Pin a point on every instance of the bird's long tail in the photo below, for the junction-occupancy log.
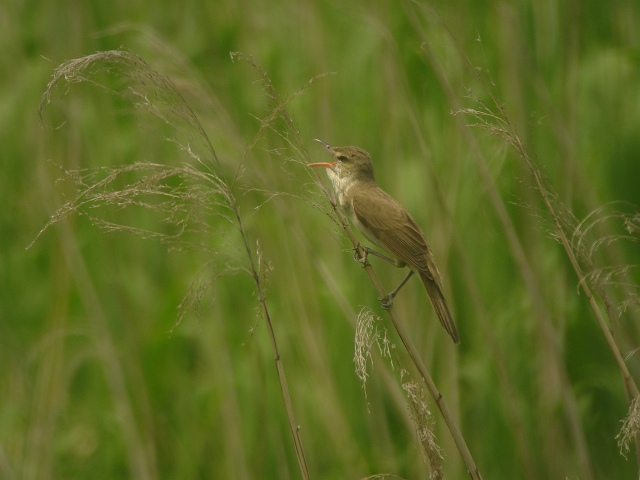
(440, 306)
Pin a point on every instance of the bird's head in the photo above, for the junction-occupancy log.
(349, 163)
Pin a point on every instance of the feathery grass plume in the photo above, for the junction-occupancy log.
(632, 224)
(142, 86)
(494, 118)
(566, 230)
(564, 224)
(424, 424)
(612, 282)
(630, 428)
(370, 333)
(189, 197)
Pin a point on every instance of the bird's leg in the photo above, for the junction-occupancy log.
(368, 251)
(388, 300)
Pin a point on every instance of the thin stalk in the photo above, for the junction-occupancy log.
(282, 378)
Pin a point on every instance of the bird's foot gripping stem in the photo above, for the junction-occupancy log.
(387, 301)
(363, 259)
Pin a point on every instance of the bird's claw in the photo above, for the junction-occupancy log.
(387, 301)
(360, 258)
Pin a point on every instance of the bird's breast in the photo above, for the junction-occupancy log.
(342, 186)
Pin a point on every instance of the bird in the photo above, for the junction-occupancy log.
(387, 224)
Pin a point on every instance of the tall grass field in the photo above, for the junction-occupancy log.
(181, 298)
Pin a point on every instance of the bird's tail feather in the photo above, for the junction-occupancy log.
(440, 306)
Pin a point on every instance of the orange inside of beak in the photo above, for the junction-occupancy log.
(322, 164)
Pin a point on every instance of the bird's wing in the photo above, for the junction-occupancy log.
(395, 230)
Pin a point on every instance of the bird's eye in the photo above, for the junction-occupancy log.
(342, 158)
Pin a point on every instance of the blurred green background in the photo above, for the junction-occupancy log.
(98, 382)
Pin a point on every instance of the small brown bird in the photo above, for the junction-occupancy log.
(385, 223)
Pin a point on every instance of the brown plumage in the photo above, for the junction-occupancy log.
(386, 223)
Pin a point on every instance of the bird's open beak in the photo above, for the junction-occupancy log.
(323, 164)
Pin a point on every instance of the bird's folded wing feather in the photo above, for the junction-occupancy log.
(395, 229)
